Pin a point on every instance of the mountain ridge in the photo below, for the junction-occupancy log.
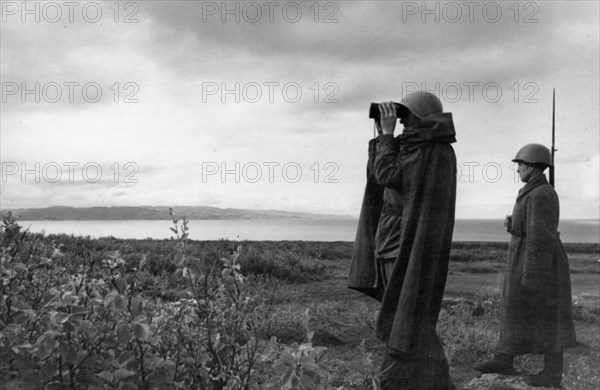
(125, 213)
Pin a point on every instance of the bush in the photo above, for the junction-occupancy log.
(284, 266)
(74, 317)
(469, 329)
(586, 314)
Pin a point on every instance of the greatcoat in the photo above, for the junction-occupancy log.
(536, 314)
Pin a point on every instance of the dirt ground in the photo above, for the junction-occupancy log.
(343, 353)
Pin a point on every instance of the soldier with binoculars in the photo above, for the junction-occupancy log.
(402, 247)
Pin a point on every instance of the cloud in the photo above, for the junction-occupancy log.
(374, 51)
(589, 176)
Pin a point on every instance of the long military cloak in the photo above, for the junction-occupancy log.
(412, 299)
(536, 314)
(363, 274)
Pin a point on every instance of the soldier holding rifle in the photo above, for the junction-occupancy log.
(536, 315)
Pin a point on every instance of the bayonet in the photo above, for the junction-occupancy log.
(553, 136)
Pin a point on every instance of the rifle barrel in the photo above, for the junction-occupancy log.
(553, 135)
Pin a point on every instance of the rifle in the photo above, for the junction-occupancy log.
(553, 133)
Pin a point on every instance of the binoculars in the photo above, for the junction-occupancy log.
(374, 110)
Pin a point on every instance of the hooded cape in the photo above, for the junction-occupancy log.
(412, 298)
(363, 269)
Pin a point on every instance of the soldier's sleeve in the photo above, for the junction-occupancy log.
(540, 240)
(387, 163)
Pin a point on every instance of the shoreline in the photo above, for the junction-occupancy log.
(286, 230)
(580, 247)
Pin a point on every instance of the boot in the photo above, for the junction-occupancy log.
(501, 363)
(551, 375)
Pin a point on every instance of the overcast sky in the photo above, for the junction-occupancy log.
(265, 104)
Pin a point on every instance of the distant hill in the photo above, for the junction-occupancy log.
(119, 213)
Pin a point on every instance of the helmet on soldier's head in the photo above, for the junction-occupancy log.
(534, 154)
(422, 104)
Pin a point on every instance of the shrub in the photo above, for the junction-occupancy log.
(469, 329)
(282, 267)
(88, 319)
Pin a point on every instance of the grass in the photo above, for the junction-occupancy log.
(297, 275)
(468, 324)
(343, 319)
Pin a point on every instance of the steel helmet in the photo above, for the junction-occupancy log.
(534, 154)
(422, 104)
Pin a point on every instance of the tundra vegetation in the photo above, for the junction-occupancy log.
(83, 313)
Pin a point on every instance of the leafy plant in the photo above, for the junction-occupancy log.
(371, 379)
(296, 366)
(88, 322)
